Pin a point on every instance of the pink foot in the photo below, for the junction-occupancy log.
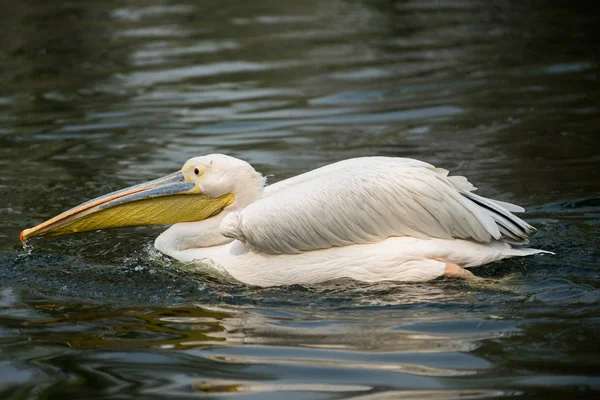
(458, 272)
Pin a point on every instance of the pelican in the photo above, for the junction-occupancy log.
(370, 219)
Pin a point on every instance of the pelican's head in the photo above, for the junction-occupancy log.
(203, 188)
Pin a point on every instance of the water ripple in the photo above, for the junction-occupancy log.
(100, 95)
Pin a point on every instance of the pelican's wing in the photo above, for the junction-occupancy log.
(328, 169)
(369, 199)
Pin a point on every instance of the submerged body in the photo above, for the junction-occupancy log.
(370, 219)
(400, 259)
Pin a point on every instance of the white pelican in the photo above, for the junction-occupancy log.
(370, 219)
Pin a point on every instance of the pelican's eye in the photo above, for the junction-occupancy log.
(196, 171)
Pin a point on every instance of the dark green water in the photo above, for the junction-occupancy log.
(99, 95)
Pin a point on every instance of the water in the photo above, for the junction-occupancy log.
(95, 96)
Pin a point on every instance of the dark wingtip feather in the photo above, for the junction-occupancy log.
(512, 228)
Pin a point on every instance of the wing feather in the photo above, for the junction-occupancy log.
(367, 200)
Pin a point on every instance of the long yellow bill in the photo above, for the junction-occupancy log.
(168, 200)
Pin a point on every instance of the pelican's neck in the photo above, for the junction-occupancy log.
(243, 182)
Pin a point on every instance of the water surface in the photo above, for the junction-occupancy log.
(96, 96)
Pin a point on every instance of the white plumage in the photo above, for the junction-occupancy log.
(370, 219)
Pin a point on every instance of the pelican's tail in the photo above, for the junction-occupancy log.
(524, 251)
(467, 253)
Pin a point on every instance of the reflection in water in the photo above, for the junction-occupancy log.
(164, 329)
(100, 95)
(339, 350)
